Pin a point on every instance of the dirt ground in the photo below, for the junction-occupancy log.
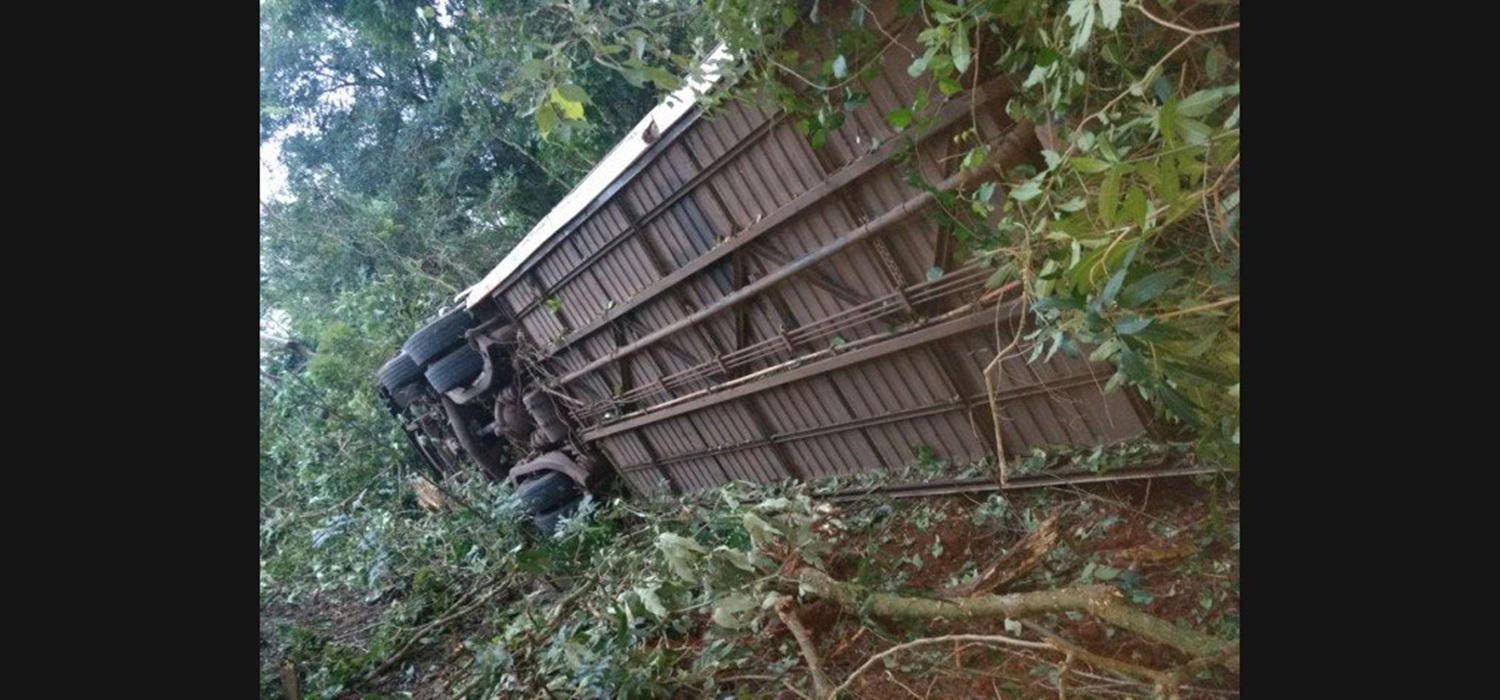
(1154, 539)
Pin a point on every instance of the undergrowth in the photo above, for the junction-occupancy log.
(647, 599)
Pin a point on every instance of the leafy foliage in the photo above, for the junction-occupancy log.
(675, 596)
(1128, 240)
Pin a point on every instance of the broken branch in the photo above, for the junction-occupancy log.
(972, 638)
(1014, 564)
(787, 610)
(1104, 602)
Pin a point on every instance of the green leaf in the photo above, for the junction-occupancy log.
(1201, 371)
(1168, 184)
(1216, 61)
(1026, 191)
(1194, 131)
(941, 65)
(1148, 171)
(1130, 325)
(1105, 573)
(1109, 13)
(1006, 273)
(961, 52)
(680, 553)
(1144, 290)
(738, 559)
(651, 601)
(730, 610)
(1166, 121)
(1162, 333)
(1089, 165)
(1135, 206)
(907, 8)
(1067, 303)
(898, 118)
(972, 159)
(949, 86)
(840, 67)
(1052, 158)
(1234, 118)
(574, 93)
(1035, 77)
(675, 541)
(761, 532)
(1178, 405)
(1109, 196)
(1081, 16)
(1105, 350)
(1200, 103)
(933, 273)
(571, 110)
(1113, 385)
(917, 67)
(1224, 150)
(1133, 365)
(532, 70)
(663, 79)
(546, 119)
(1111, 288)
(1162, 87)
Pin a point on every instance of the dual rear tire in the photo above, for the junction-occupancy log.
(549, 497)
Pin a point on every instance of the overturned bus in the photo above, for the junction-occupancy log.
(719, 300)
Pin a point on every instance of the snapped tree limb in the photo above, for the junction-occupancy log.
(1014, 564)
(1101, 601)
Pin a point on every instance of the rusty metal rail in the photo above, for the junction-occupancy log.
(1154, 470)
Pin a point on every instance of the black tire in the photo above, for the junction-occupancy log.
(546, 492)
(547, 522)
(397, 372)
(456, 369)
(438, 337)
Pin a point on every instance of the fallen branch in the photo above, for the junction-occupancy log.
(1021, 559)
(843, 646)
(438, 625)
(787, 610)
(972, 638)
(1088, 657)
(289, 680)
(991, 387)
(1104, 602)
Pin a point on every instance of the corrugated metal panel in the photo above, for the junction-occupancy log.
(684, 316)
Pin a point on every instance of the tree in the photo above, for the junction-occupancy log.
(411, 136)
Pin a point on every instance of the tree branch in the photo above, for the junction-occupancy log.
(1013, 564)
(972, 638)
(787, 610)
(1101, 601)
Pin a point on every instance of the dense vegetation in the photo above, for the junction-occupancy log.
(421, 140)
